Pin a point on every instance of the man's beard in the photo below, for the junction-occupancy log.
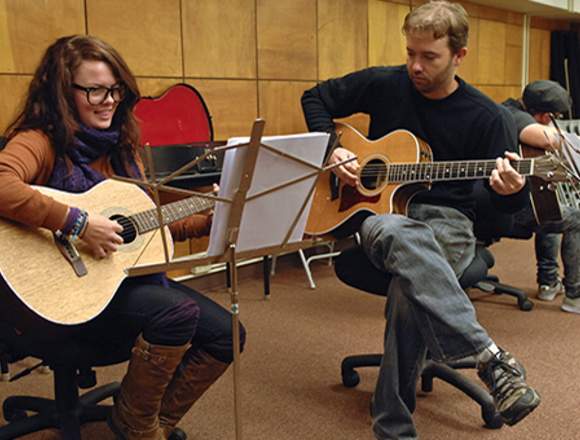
(428, 86)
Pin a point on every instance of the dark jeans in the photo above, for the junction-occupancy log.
(547, 247)
(426, 307)
(546, 252)
(166, 315)
(171, 315)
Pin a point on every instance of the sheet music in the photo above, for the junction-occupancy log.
(267, 218)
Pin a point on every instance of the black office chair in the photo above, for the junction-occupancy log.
(490, 226)
(354, 269)
(72, 364)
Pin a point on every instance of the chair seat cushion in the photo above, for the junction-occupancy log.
(354, 268)
(69, 351)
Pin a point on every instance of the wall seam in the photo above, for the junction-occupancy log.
(86, 14)
(258, 106)
(182, 40)
(316, 28)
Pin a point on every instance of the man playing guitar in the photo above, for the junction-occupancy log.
(532, 113)
(426, 251)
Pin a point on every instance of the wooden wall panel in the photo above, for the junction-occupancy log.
(156, 86)
(28, 27)
(515, 35)
(219, 38)
(501, 93)
(491, 52)
(513, 54)
(549, 24)
(146, 32)
(386, 41)
(287, 118)
(468, 70)
(342, 37)
(233, 105)
(287, 39)
(539, 67)
(13, 90)
(287, 44)
(513, 65)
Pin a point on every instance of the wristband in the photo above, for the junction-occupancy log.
(73, 215)
(79, 225)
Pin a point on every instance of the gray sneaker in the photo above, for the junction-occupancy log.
(548, 293)
(505, 379)
(571, 305)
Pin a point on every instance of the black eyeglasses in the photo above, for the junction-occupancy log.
(98, 95)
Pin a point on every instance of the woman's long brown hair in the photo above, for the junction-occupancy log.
(50, 107)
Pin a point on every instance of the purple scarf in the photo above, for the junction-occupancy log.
(89, 145)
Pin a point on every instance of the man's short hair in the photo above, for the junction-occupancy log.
(546, 96)
(441, 18)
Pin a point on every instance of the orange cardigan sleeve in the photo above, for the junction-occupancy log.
(26, 160)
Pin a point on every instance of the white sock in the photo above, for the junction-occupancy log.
(488, 352)
(493, 348)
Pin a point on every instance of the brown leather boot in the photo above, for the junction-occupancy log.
(136, 411)
(193, 377)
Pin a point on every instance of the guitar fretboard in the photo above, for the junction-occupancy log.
(439, 171)
(148, 220)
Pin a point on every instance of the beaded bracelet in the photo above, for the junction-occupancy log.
(84, 228)
(79, 225)
(73, 215)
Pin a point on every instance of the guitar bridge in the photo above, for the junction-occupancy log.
(70, 253)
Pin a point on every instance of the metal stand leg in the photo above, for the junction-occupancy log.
(236, 339)
(273, 265)
(306, 261)
(266, 269)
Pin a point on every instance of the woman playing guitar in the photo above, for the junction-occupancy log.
(77, 129)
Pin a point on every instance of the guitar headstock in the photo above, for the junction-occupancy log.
(551, 168)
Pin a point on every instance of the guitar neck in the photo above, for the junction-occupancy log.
(148, 220)
(443, 171)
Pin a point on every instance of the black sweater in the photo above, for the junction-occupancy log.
(518, 111)
(465, 125)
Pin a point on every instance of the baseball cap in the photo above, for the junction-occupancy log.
(546, 96)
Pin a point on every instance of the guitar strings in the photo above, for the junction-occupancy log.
(374, 170)
(129, 231)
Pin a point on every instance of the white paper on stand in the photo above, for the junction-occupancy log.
(267, 219)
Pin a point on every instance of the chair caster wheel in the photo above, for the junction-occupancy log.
(492, 419)
(177, 434)
(526, 305)
(350, 379)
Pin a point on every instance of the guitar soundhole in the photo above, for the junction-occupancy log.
(129, 233)
(373, 174)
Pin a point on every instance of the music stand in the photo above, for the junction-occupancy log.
(236, 204)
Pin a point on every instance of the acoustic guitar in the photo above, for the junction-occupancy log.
(548, 198)
(392, 170)
(33, 266)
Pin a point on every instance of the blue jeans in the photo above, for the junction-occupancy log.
(547, 247)
(426, 309)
